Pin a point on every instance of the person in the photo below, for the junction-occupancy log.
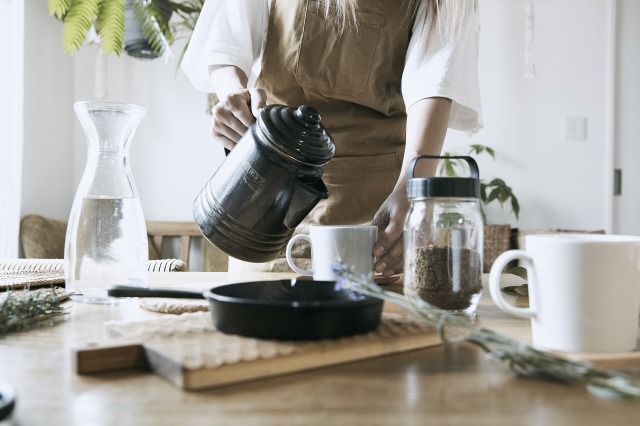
(388, 78)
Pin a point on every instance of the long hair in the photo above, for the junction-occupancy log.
(444, 17)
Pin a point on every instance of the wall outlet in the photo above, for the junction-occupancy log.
(574, 128)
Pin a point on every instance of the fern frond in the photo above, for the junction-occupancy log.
(59, 8)
(80, 17)
(188, 12)
(154, 27)
(110, 26)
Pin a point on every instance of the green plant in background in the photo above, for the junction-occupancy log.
(495, 189)
(108, 18)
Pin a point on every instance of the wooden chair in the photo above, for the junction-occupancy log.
(189, 235)
(159, 232)
(43, 238)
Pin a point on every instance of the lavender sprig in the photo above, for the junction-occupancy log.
(523, 359)
(22, 308)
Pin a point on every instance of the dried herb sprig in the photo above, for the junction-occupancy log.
(23, 308)
(522, 358)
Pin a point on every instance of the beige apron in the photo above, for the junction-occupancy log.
(354, 81)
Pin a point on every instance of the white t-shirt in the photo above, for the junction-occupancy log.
(233, 32)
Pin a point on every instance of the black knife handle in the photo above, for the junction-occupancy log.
(130, 291)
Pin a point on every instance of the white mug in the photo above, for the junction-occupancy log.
(351, 245)
(584, 291)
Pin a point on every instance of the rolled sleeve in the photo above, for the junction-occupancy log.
(445, 70)
(228, 32)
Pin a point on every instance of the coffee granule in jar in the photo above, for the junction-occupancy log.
(438, 283)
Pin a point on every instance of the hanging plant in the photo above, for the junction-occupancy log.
(112, 20)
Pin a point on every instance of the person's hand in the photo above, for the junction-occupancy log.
(390, 219)
(232, 116)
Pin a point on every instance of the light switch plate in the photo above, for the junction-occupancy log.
(574, 128)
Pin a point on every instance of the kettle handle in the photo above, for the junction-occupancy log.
(473, 166)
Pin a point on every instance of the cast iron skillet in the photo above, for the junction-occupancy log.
(284, 309)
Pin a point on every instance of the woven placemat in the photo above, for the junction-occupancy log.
(34, 273)
(174, 306)
(167, 265)
(10, 280)
(31, 264)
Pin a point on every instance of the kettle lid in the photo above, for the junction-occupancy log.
(298, 133)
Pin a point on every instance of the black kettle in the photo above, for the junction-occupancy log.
(267, 184)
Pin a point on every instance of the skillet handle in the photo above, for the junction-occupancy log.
(131, 291)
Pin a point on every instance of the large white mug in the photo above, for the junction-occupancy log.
(584, 291)
(349, 244)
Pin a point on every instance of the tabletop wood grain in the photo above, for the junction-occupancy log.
(448, 384)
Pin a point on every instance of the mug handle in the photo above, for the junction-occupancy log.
(494, 281)
(290, 261)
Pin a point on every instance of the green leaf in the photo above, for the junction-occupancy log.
(449, 168)
(503, 195)
(188, 7)
(476, 149)
(493, 195)
(515, 206)
(519, 271)
(110, 26)
(59, 8)
(80, 17)
(480, 149)
(520, 290)
(448, 165)
(154, 27)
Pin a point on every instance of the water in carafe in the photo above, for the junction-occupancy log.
(107, 246)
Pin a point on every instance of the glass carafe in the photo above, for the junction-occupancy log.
(106, 242)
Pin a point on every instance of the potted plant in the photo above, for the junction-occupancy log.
(142, 28)
(497, 238)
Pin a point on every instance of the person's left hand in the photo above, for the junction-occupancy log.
(389, 219)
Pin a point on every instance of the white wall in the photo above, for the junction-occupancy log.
(11, 120)
(48, 128)
(172, 155)
(559, 183)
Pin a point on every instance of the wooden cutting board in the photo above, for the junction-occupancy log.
(188, 351)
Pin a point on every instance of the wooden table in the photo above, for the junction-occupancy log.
(448, 384)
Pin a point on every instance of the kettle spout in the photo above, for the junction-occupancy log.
(307, 192)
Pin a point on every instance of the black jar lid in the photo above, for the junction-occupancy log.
(298, 133)
(440, 186)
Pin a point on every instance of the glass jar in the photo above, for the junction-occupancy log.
(443, 239)
(106, 242)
